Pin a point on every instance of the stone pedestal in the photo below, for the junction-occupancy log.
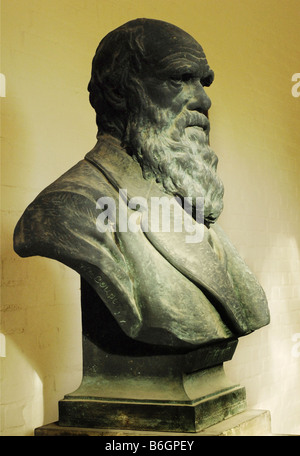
(248, 423)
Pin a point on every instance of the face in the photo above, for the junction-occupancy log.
(175, 79)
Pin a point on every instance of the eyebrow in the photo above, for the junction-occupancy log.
(180, 63)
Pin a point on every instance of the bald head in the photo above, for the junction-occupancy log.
(162, 40)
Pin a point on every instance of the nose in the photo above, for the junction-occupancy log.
(199, 100)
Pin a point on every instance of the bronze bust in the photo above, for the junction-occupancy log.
(148, 90)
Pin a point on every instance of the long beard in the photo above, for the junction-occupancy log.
(178, 157)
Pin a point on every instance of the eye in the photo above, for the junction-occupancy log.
(186, 77)
(178, 80)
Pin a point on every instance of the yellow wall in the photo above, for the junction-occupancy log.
(48, 125)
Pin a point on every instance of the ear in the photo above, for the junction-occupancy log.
(115, 98)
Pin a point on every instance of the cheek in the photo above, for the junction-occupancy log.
(164, 95)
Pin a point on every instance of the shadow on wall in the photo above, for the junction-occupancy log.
(43, 330)
(41, 316)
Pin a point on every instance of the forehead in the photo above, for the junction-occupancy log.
(169, 49)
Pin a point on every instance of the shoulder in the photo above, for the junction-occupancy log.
(63, 211)
(82, 180)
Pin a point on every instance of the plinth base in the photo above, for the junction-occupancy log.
(248, 423)
(186, 403)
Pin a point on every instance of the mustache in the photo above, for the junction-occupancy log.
(189, 119)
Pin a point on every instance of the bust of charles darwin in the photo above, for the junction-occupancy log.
(168, 287)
